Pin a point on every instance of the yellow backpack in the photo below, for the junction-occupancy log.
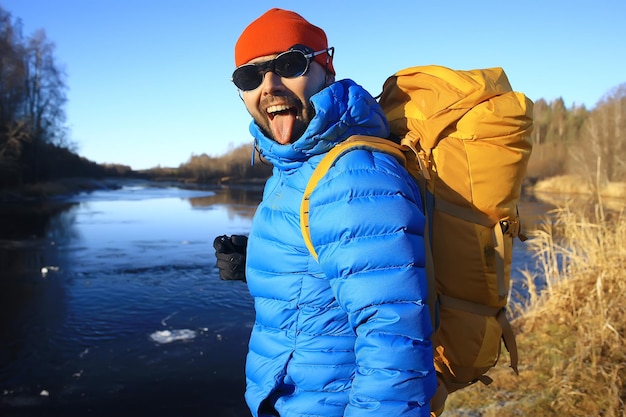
(464, 136)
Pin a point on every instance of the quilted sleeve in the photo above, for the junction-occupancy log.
(367, 228)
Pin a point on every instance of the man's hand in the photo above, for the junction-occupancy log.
(230, 252)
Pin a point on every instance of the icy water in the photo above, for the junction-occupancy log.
(111, 304)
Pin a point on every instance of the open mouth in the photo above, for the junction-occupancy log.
(282, 120)
(280, 110)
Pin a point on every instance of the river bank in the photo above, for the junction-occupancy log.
(58, 189)
(576, 185)
(67, 187)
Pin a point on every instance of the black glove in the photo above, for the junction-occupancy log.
(230, 252)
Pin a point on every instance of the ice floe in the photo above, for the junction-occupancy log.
(168, 336)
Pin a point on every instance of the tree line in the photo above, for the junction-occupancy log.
(587, 143)
(35, 144)
(575, 141)
(34, 141)
(240, 164)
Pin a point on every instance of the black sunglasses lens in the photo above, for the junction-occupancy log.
(291, 64)
(288, 64)
(247, 78)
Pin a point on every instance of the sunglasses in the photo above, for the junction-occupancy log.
(289, 64)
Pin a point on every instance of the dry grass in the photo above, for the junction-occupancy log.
(614, 190)
(571, 333)
(567, 184)
(571, 184)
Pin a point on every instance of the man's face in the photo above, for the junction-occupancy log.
(281, 106)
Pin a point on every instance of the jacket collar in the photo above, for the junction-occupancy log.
(342, 109)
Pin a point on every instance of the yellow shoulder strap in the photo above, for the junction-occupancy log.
(381, 145)
(353, 142)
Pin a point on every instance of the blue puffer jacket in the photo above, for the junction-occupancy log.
(350, 335)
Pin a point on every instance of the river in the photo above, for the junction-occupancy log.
(111, 304)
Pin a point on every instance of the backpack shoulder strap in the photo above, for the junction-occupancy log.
(353, 142)
(398, 151)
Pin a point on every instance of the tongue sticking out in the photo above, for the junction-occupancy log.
(282, 126)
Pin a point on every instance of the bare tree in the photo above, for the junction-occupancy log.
(13, 133)
(599, 154)
(612, 110)
(541, 122)
(32, 100)
(45, 93)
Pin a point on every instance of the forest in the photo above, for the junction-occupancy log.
(35, 144)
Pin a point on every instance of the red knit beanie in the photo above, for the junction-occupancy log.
(276, 31)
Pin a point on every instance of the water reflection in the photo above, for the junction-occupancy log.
(238, 201)
(232, 196)
(84, 285)
(24, 235)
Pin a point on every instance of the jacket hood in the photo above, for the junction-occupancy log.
(342, 109)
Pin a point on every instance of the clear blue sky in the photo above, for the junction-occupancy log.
(149, 80)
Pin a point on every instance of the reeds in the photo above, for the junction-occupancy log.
(582, 257)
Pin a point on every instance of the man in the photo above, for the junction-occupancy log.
(348, 334)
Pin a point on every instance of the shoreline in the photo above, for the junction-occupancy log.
(66, 188)
(47, 191)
